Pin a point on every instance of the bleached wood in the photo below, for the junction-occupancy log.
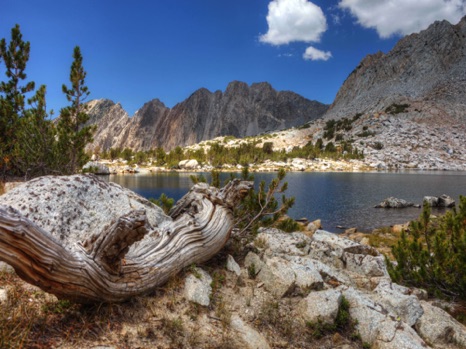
(129, 257)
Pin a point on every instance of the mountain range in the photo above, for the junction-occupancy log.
(422, 78)
(241, 110)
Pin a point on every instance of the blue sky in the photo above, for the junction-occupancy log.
(135, 51)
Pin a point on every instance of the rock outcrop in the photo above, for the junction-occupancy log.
(386, 315)
(240, 111)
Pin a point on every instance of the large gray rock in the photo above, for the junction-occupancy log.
(446, 201)
(377, 326)
(6, 268)
(188, 164)
(66, 202)
(321, 306)
(329, 247)
(278, 276)
(442, 201)
(398, 300)
(250, 337)
(307, 276)
(392, 202)
(437, 326)
(276, 241)
(364, 260)
(197, 287)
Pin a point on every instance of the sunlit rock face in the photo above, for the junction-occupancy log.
(426, 69)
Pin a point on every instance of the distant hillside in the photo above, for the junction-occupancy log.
(425, 70)
(240, 111)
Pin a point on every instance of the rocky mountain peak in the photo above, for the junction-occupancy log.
(428, 68)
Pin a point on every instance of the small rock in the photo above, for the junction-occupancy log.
(6, 268)
(197, 287)
(321, 305)
(278, 276)
(233, 266)
(253, 263)
(250, 337)
(3, 296)
(96, 168)
(398, 228)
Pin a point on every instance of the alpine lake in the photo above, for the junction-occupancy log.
(340, 200)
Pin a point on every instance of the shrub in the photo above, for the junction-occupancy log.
(163, 202)
(260, 207)
(433, 254)
(396, 108)
(288, 225)
(267, 147)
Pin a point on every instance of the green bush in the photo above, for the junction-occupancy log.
(396, 108)
(433, 254)
(164, 202)
(288, 225)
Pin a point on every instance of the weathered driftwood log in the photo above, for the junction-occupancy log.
(54, 231)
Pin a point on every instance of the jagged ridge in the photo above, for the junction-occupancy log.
(240, 111)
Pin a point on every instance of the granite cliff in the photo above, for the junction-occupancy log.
(241, 110)
(426, 70)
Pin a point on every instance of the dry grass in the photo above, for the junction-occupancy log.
(164, 319)
(34, 319)
(2, 188)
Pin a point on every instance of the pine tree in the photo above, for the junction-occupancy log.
(73, 134)
(35, 152)
(15, 56)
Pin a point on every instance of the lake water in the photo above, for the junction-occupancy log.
(338, 199)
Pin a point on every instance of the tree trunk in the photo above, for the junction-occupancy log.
(128, 257)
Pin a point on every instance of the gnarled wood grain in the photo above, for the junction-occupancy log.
(129, 257)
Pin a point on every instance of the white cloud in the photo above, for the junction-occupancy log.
(294, 20)
(403, 16)
(314, 54)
